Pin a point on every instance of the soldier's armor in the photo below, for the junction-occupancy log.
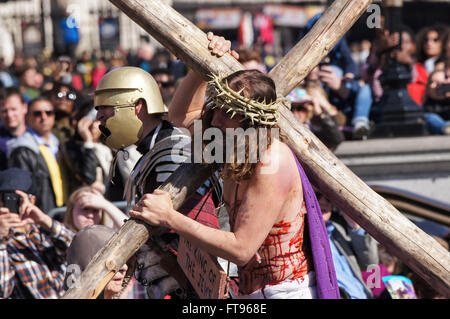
(163, 159)
(171, 148)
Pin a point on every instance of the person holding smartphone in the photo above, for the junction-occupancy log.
(437, 97)
(32, 244)
(313, 109)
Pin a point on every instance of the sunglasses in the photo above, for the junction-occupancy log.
(39, 113)
(69, 95)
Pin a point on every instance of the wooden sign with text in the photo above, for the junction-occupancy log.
(203, 271)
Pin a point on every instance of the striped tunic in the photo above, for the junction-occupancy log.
(164, 150)
(171, 147)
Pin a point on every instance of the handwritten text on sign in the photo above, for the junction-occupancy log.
(202, 270)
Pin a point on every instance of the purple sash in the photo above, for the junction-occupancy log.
(327, 287)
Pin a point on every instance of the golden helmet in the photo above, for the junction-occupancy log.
(121, 88)
(125, 86)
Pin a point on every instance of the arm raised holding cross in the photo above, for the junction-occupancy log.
(330, 175)
(266, 209)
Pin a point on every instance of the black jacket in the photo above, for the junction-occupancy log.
(327, 130)
(77, 163)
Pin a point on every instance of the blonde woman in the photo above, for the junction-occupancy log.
(87, 206)
(86, 243)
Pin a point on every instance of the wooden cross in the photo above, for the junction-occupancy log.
(378, 217)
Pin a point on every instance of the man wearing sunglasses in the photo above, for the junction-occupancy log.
(76, 140)
(36, 151)
(39, 151)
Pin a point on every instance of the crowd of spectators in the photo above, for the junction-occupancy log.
(352, 76)
(50, 149)
(347, 84)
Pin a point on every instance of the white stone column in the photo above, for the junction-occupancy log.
(48, 25)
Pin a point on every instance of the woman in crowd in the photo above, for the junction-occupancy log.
(86, 206)
(86, 243)
(429, 48)
(437, 98)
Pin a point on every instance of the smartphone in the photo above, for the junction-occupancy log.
(11, 201)
(443, 88)
(325, 61)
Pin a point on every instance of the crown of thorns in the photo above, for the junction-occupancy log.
(220, 95)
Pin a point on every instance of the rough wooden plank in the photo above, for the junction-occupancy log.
(335, 180)
(135, 233)
(177, 34)
(377, 216)
(316, 44)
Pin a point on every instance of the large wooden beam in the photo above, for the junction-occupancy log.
(316, 44)
(135, 233)
(335, 180)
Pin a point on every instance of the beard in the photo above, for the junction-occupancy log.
(105, 132)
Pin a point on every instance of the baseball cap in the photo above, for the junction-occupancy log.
(14, 178)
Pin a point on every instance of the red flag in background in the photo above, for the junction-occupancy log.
(263, 23)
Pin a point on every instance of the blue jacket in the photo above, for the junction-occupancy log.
(340, 55)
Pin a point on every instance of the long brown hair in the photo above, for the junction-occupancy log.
(73, 199)
(421, 39)
(257, 86)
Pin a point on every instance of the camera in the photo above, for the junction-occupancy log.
(11, 201)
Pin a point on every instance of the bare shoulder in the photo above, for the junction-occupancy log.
(278, 166)
(278, 155)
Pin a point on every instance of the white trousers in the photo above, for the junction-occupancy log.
(288, 289)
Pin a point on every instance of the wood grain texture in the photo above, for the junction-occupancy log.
(135, 233)
(316, 44)
(372, 212)
(415, 248)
